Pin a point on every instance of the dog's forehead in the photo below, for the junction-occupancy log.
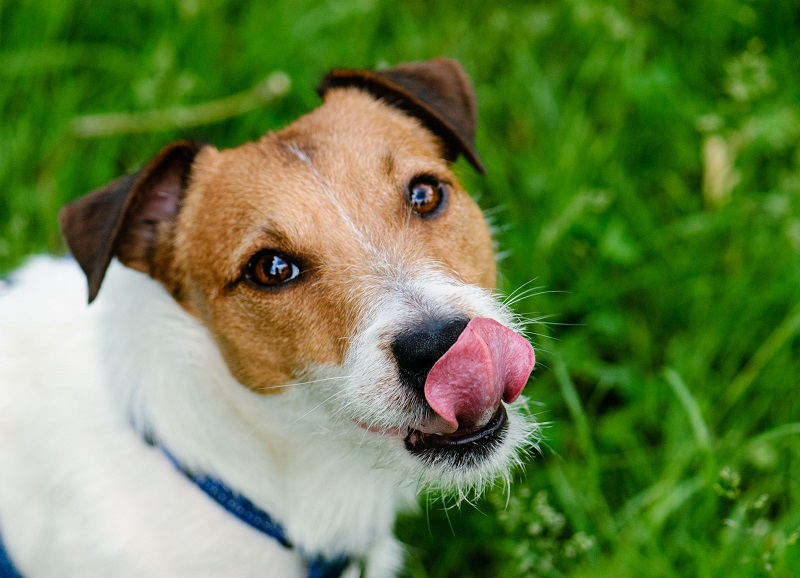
(341, 167)
(345, 145)
(352, 131)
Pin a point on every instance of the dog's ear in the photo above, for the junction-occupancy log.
(438, 92)
(131, 218)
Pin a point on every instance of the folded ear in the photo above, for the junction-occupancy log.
(131, 218)
(438, 92)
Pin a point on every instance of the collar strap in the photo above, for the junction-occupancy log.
(7, 568)
(246, 511)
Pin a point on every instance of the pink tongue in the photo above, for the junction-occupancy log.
(487, 363)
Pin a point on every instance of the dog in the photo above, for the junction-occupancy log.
(293, 339)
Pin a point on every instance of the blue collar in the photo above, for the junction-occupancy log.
(7, 569)
(239, 506)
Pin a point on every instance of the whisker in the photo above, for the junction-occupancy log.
(319, 405)
(515, 291)
(298, 383)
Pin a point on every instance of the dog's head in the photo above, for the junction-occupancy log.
(341, 250)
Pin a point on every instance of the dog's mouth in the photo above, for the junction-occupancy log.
(423, 444)
(461, 448)
(464, 394)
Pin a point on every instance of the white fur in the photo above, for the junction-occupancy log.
(82, 495)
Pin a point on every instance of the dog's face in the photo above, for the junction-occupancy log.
(283, 244)
(341, 250)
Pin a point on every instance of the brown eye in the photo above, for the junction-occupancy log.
(425, 195)
(270, 268)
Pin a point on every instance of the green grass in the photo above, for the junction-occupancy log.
(643, 162)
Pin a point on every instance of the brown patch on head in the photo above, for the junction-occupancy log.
(328, 195)
(340, 214)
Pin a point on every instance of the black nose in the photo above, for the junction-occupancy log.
(418, 349)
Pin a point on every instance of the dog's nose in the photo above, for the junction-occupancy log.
(418, 349)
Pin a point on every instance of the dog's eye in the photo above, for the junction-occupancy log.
(425, 195)
(270, 268)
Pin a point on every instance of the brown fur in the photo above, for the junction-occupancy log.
(262, 195)
(329, 192)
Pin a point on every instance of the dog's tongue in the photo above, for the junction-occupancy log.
(487, 363)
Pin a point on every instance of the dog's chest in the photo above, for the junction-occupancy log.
(82, 495)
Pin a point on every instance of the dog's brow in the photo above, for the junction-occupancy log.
(387, 163)
(273, 234)
(265, 233)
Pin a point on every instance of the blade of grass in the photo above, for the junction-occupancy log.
(571, 398)
(595, 498)
(788, 328)
(773, 434)
(274, 86)
(690, 405)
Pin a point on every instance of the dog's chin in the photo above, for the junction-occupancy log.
(465, 463)
(461, 449)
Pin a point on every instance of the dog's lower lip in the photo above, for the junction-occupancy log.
(386, 431)
(417, 441)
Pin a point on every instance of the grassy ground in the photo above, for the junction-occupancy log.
(643, 160)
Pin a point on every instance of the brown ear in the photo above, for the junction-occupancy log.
(131, 218)
(438, 92)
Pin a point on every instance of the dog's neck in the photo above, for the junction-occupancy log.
(274, 449)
